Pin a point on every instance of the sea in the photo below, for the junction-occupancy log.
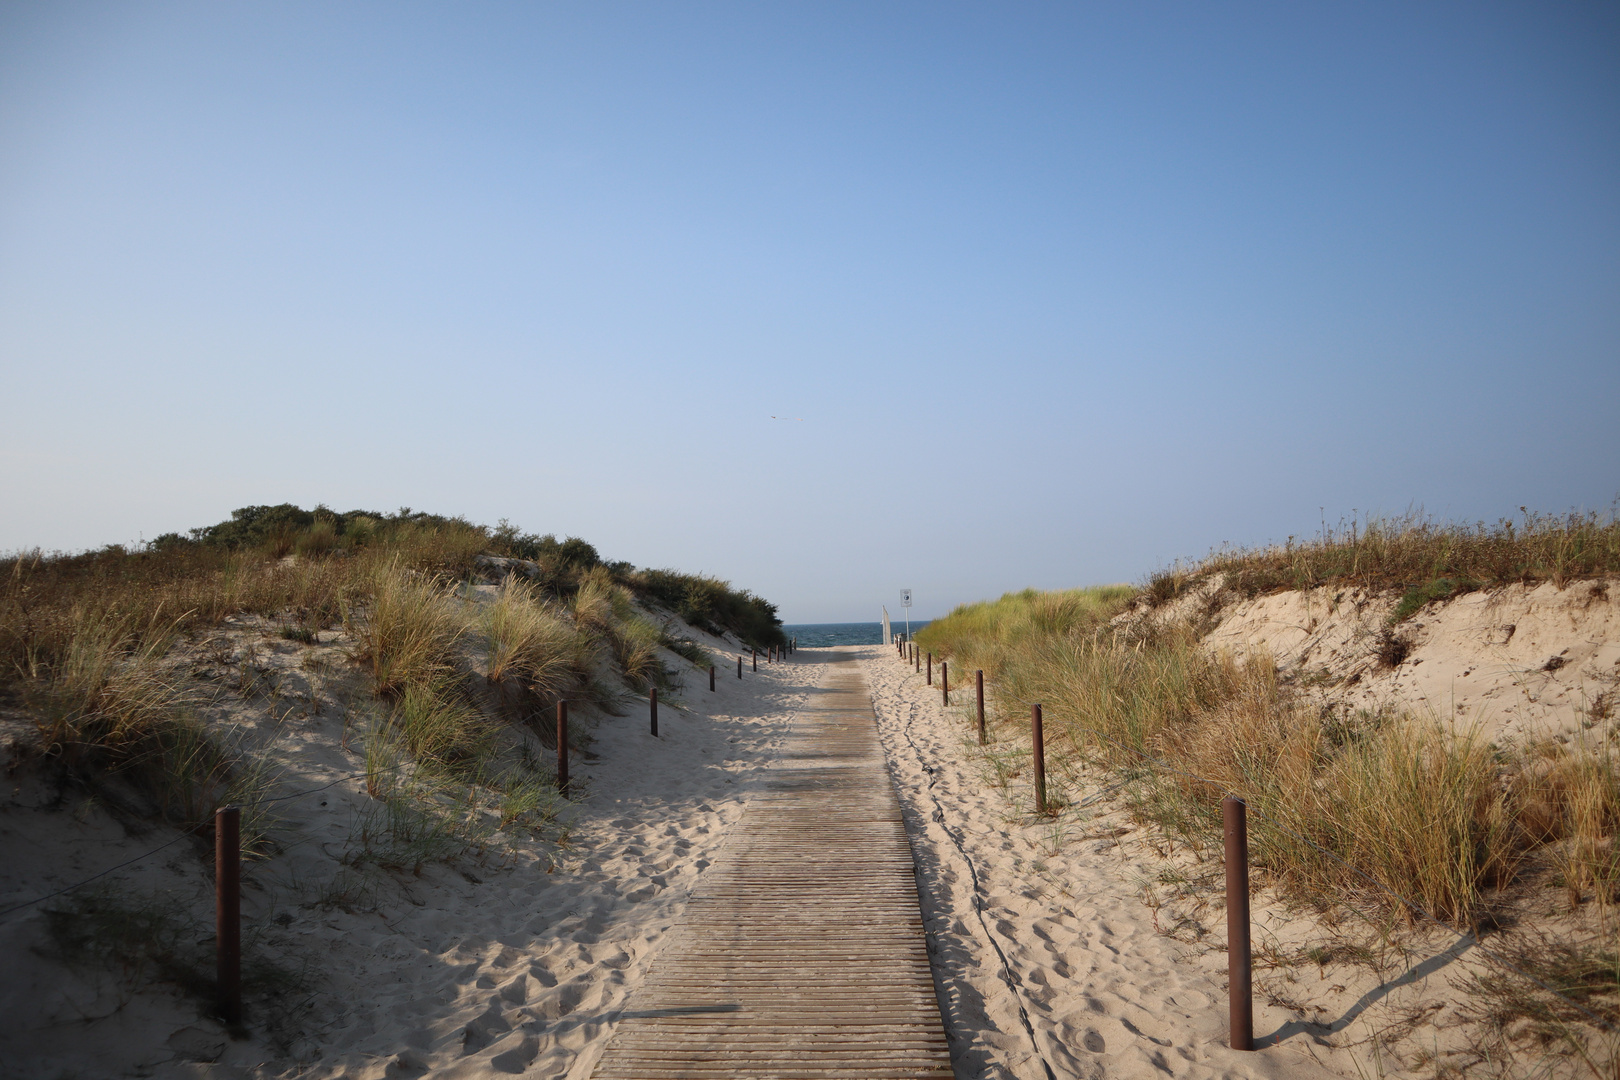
(820, 635)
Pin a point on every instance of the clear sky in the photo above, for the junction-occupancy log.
(1061, 292)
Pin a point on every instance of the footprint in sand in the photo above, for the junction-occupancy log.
(518, 1058)
(516, 990)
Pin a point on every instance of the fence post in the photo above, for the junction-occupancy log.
(1040, 758)
(228, 911)
(930, 669)
(1239, 969)
(916, 659)
(562, 747)
(978, 681)
(739, 665)
(754, 655)
(945, 681)
(711, 678)
(654, 699)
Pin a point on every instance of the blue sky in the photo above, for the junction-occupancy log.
(1062, 292)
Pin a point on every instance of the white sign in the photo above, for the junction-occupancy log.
(905, 597)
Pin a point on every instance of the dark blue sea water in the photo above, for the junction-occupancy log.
(819, 635)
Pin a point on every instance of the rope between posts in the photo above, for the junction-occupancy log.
(1374, 882)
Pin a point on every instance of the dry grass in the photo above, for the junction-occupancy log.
(529, 640)
(1423, 558)
(1366, 810)
(87, 643)
(1568, 798)
(409, 631)
(1553, 1002)
(1433, 816)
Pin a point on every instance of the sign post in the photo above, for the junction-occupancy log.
(905, 602)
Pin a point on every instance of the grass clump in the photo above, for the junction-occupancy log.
(1420, 596)
(409, 631)
(106, 706)
(989, 633)
(1568, 798)
(687, 650)
(440, 730)
(530, 643)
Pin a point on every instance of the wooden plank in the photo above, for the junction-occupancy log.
(801, 955)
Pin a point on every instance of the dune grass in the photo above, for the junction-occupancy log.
(408, 631)
(87, 640)
(529, 639)
(1424, 559)
(1436, 817)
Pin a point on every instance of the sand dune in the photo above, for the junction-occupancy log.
(511, 964)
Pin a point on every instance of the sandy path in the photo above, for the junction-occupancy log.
(802, 951)
(1048, 962)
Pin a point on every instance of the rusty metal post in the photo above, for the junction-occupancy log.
(1239, 969)
(228, 911)
(1040, 758)
(562, 747)
(754, 653)
(711, 678)
(945, 681)
(978, 682)
(654, 699)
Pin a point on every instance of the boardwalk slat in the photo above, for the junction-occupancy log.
(801, 956)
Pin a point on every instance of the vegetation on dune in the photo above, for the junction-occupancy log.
(1375, 810)
(88, 641)
(1421, 558)
(562, 567)
(1434, 816)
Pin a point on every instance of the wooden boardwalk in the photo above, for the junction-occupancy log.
(801, 954)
